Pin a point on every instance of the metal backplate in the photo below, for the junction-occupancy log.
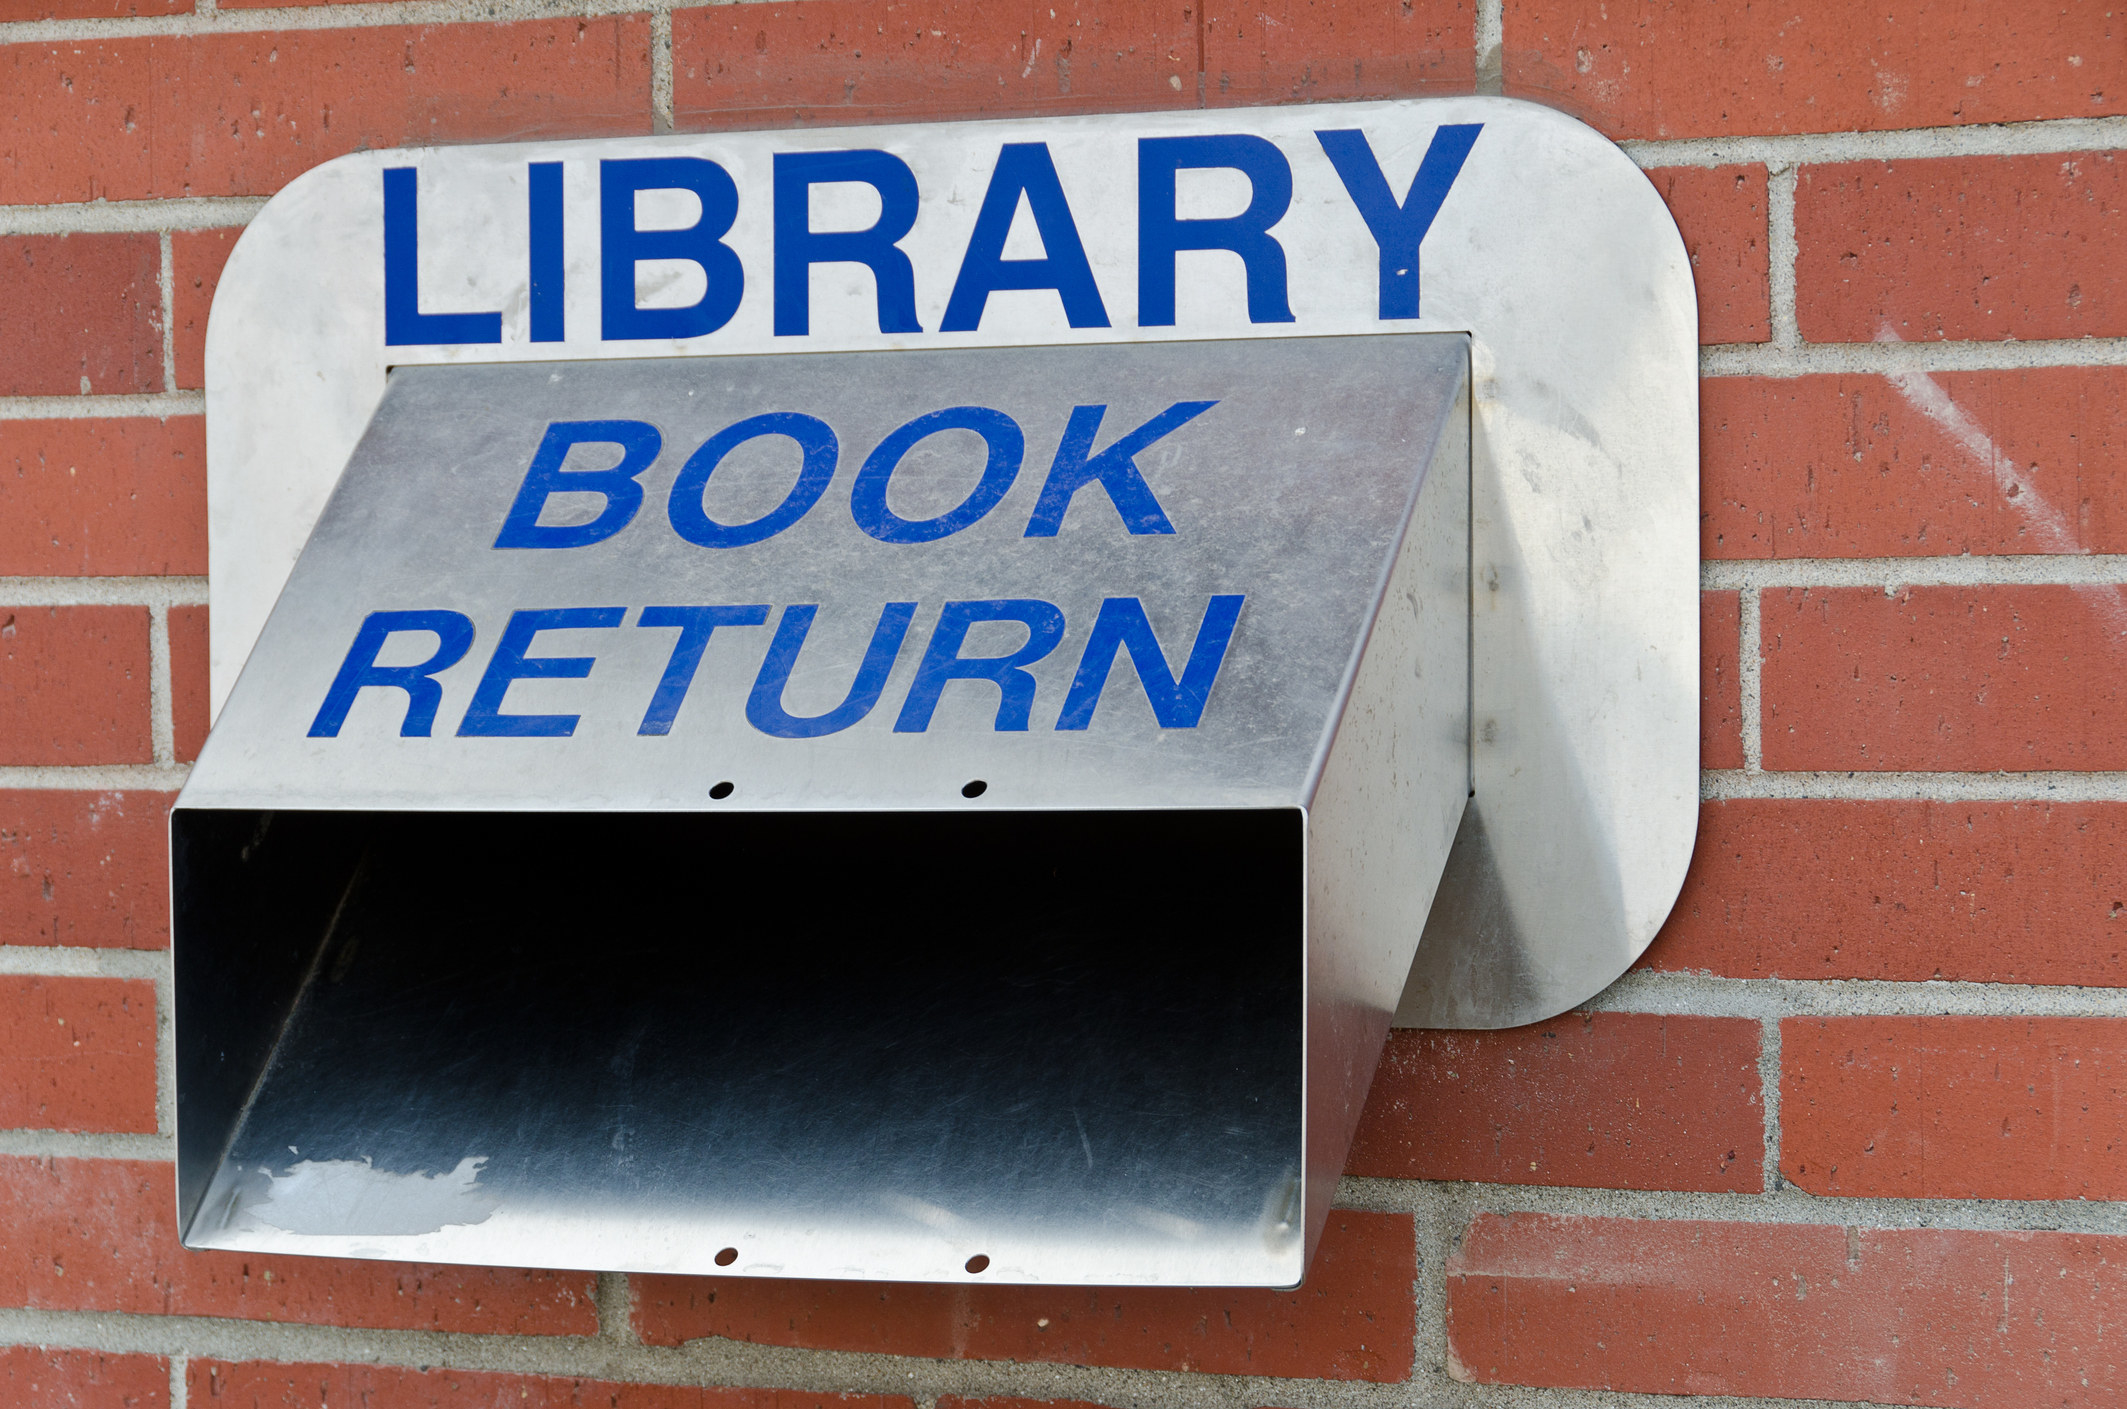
(1550, 249)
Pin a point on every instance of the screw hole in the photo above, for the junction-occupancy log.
(976, 789)
(978, 1263)
(727, 1257)
(720, 792)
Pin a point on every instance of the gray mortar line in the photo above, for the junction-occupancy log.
(96, 407)
(165, 1049)
(1721, 785)
(1892, 574)
(1781, 251)
(614, 1305)
(178, 1389)
(2038, 137)
(80, 961)
(61, 1144)
(1750, 676)
(162, 727)
(166, 281)
(1786, 1205)
(1490, 34)
(294, 18)
(103, 591)
(1885, 358)
(1769, 1098)
(97, 778)
(661, 110)
(130, 217)
(1436, 1231)
(1772, 999)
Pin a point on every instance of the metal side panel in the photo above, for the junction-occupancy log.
(1548, 896)
(1382, 824)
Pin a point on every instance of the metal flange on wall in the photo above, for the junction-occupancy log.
(912, 702)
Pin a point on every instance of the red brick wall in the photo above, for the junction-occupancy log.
(1856, 1127)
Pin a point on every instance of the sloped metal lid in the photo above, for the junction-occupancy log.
(840, 515)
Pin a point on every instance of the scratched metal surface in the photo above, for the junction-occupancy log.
(1292, 490)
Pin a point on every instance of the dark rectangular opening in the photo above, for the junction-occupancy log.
(745, 1021)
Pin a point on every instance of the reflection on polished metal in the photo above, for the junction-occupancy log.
(1561, 874)
(800, 901)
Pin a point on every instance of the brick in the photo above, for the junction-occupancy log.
(850, 61)
(188, 680)
(1962, 248)
(1907, 891)
(1355, 1319)
(1587, 1100)
(196, 260)
(238, 114)
(1963, 678)
(120, 497)
(77, 1054)
(74, 685)
(1720, 211)
(1932, 1316)
(1955, 1107)
(1677, 69)
(85, 868)
(1309, 51)
(100, 1235)
(227, 1385)
(83, 312)
(82, 1379)
(2028, 460)
(1720, 687)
